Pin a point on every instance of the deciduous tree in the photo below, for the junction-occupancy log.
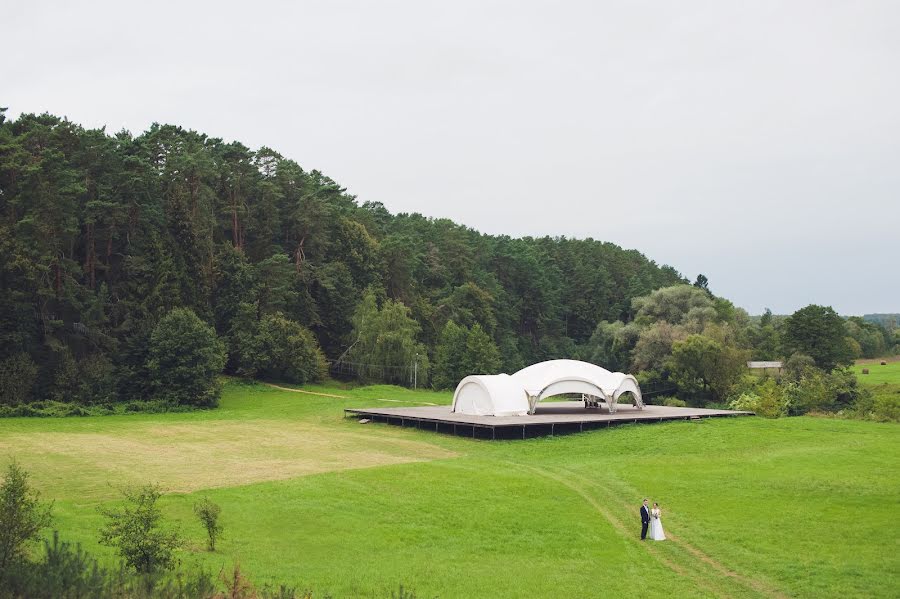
(185, 360)
(819, 332)
(135, 530)
(22, 516)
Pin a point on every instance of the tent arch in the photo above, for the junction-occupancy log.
(566, 385)
(489, 395)
(562, 376)
(629, 384)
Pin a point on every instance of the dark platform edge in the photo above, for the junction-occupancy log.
(524, 430)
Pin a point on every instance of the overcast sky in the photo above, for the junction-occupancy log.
(755, 142)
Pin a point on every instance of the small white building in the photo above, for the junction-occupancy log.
(518, 394)
(766, 365)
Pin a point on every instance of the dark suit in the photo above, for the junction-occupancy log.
(645, 521)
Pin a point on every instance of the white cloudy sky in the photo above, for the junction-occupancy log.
(755, 142)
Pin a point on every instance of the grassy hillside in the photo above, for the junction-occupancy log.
(752, 507)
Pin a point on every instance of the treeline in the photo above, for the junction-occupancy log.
(697, 347)
(119, 252)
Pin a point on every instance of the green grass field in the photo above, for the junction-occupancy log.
(753, 507)
(878, 374)
(883, 381)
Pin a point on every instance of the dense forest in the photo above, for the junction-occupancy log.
(137, 269)
(103, 236)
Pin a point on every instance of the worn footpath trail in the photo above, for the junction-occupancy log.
(688, 561)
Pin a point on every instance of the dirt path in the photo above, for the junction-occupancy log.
(305, 392)
(424, 403)
(700, 579)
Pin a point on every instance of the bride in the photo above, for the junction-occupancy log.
(656, 529)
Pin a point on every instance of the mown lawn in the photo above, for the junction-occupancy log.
(753, 507)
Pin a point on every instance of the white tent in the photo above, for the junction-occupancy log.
(518, 394)
(490, 395)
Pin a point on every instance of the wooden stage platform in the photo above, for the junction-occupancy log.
(551, 418)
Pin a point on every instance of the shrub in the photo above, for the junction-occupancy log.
(886, 408)
(55, 409)
(17, 376)
(22, 516)
(673, 402)
(64, 571)
(208, 513)
(814, 391)
(881, 404)
(134, 530)
(98, 382)
(283, 349)
(768, 400)
(185, 360)
(797, 365)
(68, 571)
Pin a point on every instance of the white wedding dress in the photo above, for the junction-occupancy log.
(656, 529)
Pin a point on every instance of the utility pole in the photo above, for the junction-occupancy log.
(416, 371)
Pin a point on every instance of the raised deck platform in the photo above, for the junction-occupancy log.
(551, 418)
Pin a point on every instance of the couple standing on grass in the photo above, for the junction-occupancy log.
(650, 517)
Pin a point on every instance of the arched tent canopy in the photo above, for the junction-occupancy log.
(519, 394)
(629, 385)
(554, 377)
(490, 395)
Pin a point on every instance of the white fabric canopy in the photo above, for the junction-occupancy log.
(490, 395)
(518, 394)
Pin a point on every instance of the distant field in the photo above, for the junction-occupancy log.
(883, 382)
(753, 507)
(889, 373)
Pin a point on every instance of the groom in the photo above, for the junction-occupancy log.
(645, 519)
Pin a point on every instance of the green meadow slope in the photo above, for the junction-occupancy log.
(753, 507)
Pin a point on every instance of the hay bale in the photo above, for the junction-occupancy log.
(865, 371)
(883, 363)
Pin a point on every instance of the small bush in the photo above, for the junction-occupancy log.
(797, 365)
(881, 404)
(22, 517)
(768, 400)
(672, 402)
(134, 530)
(284, 350)
(68, 571)
(56, 409)
(17, 375)
(208, 513)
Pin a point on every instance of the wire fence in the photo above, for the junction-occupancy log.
(411, 375)
(655, 389)
(389, 373)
